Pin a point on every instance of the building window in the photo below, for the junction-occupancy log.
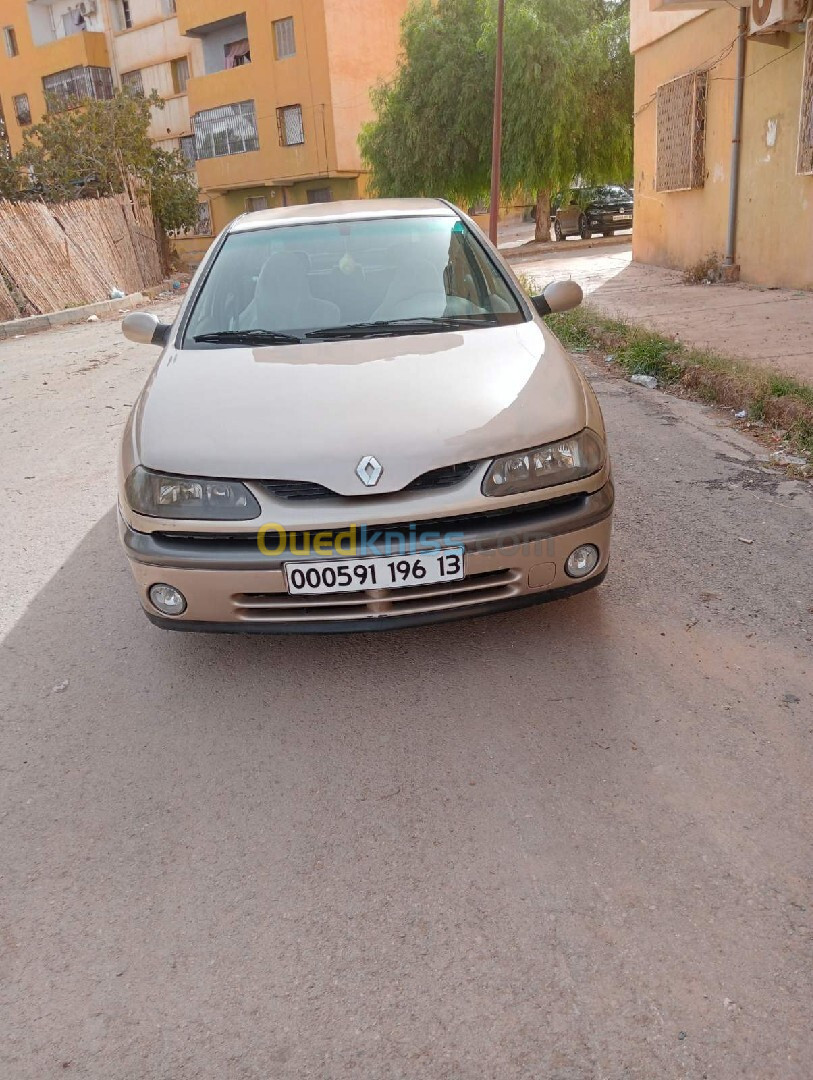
(187, 148)
(122, 16)
(237, 53)
(805, 165)
(10, 39)
(230, 129)
(67, 88)
(22, 110)
(320, 194)
(180, 74)
(681, 124)
(284, 40)
(203, 226)
(132, 82)
(289, 121)
(256, 202)
(73, 22)
(170, 7)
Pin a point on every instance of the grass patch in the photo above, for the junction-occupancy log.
(777, 400)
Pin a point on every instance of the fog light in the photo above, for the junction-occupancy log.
(582, 561)
(167, 600)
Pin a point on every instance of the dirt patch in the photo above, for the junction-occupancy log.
(776, 409)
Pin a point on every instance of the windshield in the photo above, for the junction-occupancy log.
(349, 279)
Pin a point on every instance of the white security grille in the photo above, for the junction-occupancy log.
(229, 129)
(291, 131)
(187, 147)
(133, 83)
(65, 88)
(805, 162)
(681, 124)
(22, 110)
(284, 38)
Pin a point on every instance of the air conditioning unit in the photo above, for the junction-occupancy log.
(774, 16)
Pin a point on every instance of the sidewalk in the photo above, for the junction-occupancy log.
(769, 327)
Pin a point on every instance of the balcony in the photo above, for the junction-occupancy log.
(78, 50)
(225, 43)
(68, 88)
(195, 16)
(55, 20)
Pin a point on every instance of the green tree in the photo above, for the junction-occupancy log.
(98, 147)
(567, 111)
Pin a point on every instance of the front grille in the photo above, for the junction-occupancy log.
(305, 491)
(512, 517)
(377, 603)
(443, 478)
(297, 490)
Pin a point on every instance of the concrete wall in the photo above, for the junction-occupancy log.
(678, 229)
(150, 47)
(648, 25)
(357, 61)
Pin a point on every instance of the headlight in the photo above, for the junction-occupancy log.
(157, 495)
(545, 466)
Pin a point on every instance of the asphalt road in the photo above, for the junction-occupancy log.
(570, 843)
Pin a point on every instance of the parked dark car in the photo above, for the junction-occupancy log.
(584, 211)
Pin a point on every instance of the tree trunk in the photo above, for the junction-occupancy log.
(164, 248)
(542, 215)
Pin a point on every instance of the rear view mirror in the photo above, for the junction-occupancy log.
(145, 329)
(558, 296)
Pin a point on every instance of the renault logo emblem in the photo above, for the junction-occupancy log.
(369, 471)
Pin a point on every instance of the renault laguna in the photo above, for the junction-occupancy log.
(359, 420)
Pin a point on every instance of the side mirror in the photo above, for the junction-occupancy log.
(558, 296)
(145, 329)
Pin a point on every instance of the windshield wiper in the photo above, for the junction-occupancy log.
(249, 337)
(394, 327)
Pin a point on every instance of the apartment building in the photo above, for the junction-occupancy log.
(60, 49)
(69, 50)
(150, 54)
(695, 74)
(283, 92)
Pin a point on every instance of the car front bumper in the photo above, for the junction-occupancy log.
(511, 560)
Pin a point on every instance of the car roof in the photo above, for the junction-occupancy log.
(349, 210)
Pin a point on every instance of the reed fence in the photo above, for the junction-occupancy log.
(68, 254)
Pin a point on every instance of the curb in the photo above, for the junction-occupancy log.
(34, 324)
(545, 247)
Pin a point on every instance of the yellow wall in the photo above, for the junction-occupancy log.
(678, 229)
(364, 44)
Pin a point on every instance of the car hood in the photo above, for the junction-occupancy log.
(312, 412)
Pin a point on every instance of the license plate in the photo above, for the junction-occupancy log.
(385, 572)
(622, 217)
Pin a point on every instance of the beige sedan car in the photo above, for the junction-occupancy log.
(359, 421)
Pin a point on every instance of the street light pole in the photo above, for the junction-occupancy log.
(496, 142)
